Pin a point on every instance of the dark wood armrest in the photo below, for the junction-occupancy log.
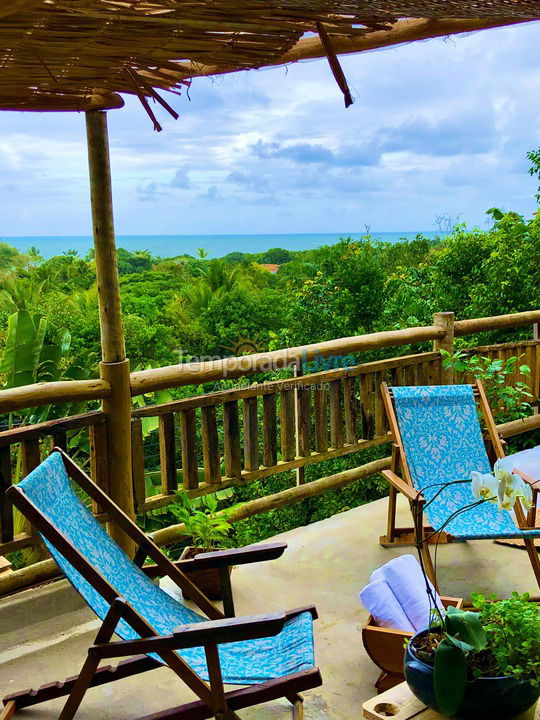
(212, 632)
(226, 558)
(238, 556)
(311, 609)
(402, 486)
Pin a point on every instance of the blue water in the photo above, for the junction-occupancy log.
(215, 245)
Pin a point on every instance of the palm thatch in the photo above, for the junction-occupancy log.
(77, 54)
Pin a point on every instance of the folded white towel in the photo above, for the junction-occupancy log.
(381, 602)
(404, 577)
(528, 461)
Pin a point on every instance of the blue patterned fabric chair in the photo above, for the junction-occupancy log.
(274, 652)
(438, 441)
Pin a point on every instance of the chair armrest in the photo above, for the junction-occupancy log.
(226, 558)
(238, 556)
(402, 486)
(212, 632)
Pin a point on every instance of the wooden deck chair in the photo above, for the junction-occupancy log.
(437, 439)
(270, 654)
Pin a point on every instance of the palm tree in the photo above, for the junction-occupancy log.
(20, 293)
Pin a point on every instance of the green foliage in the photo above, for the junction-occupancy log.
(208, 530)
(502, 638)
(508, 400)
(512, 628)
(276, 256)
(534, 170)
(136, 262)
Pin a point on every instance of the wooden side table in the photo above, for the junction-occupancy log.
(399, 703)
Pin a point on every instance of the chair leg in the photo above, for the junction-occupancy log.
(422, 544)
(220, 707)
(79, 689)
(534, 558)
(7, 711)
(391, 523)
(297, 701)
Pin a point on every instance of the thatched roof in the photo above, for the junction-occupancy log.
(77, 54)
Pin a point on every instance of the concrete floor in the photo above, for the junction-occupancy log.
(45, 632)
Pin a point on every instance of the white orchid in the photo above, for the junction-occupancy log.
(511, 486)
(484, 487)
(503, 488)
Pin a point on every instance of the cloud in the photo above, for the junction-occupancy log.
(181, 179)
(457, 134)
(306, 153)
(149, 192)
(249, 181)
(212, 194)
(438, 127)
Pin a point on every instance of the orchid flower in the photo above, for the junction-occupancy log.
(511, 486)
(484, 487)
(504, 488)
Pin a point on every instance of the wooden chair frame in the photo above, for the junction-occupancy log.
(400, 480)
(214, 701)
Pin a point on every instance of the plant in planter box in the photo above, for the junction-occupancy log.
(209, 531)
(483, 664)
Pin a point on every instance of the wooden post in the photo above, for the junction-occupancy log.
(536, 369)
(445, 320)
(301, 471)
(114, 366)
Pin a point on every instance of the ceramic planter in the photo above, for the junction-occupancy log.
(499, 698)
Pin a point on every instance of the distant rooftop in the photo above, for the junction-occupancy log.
(271, 267)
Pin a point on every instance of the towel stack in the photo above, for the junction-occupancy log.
(397, 597)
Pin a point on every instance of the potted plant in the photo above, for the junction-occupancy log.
(482, 665)
(209, 532)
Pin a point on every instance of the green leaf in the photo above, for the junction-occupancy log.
(24, 344)
(450, 677)
(466, 627)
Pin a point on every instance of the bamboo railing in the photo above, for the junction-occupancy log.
(232, 437)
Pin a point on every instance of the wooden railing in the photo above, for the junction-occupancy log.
(272, 427)
(236, 436)
(23, 448)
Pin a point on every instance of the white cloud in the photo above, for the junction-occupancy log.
(436, 127)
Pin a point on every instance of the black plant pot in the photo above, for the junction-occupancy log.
(500, 698)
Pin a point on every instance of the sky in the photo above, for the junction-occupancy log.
(438, 129)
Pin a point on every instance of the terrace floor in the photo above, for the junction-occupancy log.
(45, 633)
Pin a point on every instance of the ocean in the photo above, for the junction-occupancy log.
(214, 245)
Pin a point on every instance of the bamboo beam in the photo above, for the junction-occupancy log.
(114, 367)
(166, 536)
(145, 381)
(49, 393)
(516, 427)
(496, 322)
(64, 103)
(403, 31)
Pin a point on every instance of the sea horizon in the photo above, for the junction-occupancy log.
(215, 245)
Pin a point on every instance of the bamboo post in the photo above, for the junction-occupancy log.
(445, 320)
(114, 367)
(536, 369)
(301, 471)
